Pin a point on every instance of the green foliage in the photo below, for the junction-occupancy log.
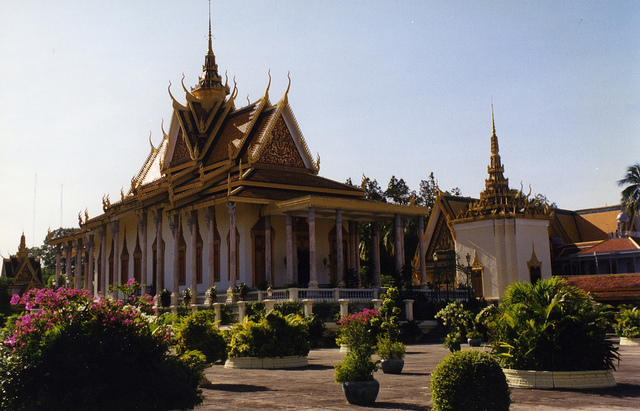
(469, 380)
(289, 307)
(551, 326)
(165, 298)
(5, 299)
(186, 297)
(273, 335)
(630, 196)
(390, 312)
(387, 348)
(458, 321)
(327, 311)
(78, 354)
(359, 332)
(355, 367)
(628, 322)
(212, 294)
(198, 332)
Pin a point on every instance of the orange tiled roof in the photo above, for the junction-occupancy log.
(609, 286)
(615, 244)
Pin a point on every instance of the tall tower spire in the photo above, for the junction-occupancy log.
(496, 186)
(210, 82)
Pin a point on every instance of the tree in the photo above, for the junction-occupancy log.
(398, 191)
(47, 255)
(631, 193)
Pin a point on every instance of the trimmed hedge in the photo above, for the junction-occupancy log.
(469, 380)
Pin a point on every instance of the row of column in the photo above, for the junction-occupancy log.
(191, 219)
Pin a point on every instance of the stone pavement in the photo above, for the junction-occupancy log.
(313, 387)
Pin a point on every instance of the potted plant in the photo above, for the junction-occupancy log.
(390, 350)
(627, 325)
(211, 295)
(355, 372)
(553, 335)
(457, 320)
(186, 297)
(474, 338)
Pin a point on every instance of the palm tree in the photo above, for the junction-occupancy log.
(631, 193)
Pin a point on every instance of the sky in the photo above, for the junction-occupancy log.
(379, 88)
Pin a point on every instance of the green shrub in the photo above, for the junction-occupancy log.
(271, 336)
(80, 354)
(551, 326)
(359, 332)
(289, 307)
(627, 322)
(316, 329)
(355, 367)
(388, 348)
(198, 332)
(458, 321)
(469, 380)
(327, 311)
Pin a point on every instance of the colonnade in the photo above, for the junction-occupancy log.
(109, 268)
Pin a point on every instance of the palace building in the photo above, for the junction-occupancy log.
(231, 194)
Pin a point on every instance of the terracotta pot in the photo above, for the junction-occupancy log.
(392, 365)
(361, 392)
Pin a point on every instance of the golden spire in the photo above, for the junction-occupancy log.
(496, 190)
(210, 81)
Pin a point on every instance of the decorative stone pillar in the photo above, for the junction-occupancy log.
(376, 254)
(339, 250)
(308, 307)
(313, 271)
(267, 250)
(78, 274)
(115, 234)
(233, 249)
(192, 222)
(408, 305)
(67, 268)
(344, 307)
(399, 250)
(102, 288)
(174, 224)
(142, 226)
(157, 220)
(89, 271)
(289, 245)
(422, 250)
(58, 264)
(210, 219)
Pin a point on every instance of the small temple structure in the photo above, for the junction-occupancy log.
(506, 236)
(231, 194)
(23, 269)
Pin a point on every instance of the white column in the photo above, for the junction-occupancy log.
(421, 247)
(115, 233)
(267, 249)
(210, 218)
(339, 250)
(192, 221)
(89, 271)
(157, 219)
(233, 251)
(313, 274)
(102, 288)
(58, 264)
(399, 251)
(78, 275)
(67, 268)
(376, 254)
(142, 226)
(289, 245)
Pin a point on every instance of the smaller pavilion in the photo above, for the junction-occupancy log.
(23, 269)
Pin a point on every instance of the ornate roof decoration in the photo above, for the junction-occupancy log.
(498, 200)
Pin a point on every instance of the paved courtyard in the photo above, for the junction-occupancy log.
(313, 388)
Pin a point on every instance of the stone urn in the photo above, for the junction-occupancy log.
(361, 392)
(392, 365)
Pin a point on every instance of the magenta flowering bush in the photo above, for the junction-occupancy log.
(73, 352)
(132, 292)
(359, 329)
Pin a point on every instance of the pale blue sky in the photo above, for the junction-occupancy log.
(378, 87)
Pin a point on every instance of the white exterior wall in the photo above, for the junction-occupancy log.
(503, 248)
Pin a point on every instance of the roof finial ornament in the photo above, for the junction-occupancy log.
(153, 149)
(493, 123)
(210, 44)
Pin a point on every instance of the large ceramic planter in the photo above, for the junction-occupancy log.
(392, 365)
(560, 379)
(474, 342)
(634, 342)
(361, 392)
(268, 363)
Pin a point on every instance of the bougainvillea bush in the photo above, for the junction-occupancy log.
(71, 352)
(359, 332)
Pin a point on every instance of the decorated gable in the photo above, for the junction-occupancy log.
(281, 149)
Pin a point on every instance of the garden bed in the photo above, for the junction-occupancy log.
(559, 379)
(267, 363)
